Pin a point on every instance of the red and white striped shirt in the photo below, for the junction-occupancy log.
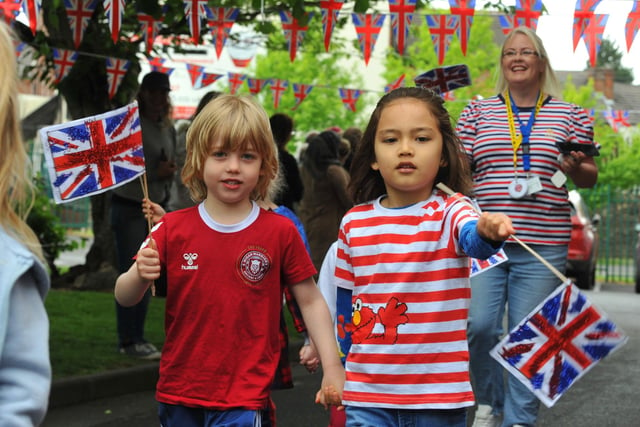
(483, 127)
(410, 282)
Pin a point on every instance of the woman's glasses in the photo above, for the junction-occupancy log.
(512, 53)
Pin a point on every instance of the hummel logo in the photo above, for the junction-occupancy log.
(190, 258)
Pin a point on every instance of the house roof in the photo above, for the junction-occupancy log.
(625, 96)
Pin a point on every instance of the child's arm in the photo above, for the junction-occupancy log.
(132, 284)
(320, 328)
(495, 227)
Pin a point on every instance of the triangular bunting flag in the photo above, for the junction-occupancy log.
(256, 85)
(506, 23)
(593, 36)
(114, 10)
(150, 27)
(31, 10)
(330, 10)
(442, 28)
(464, 9)
(208, 79)
(157, 64)
(300, 91)
(368, 26)
(195, 11)
(293, 31)
(395, 84)
(10, 9)
(350, 97)
(633, 24)
(220, 21)
(116, 69)
(278, 86)
(527, 13)
(401, 12)
(63, 61)
(195, 73)
(235, 81)
(617, 119)
(583, 11)
(79, 14)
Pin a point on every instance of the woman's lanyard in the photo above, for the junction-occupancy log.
(525, 131)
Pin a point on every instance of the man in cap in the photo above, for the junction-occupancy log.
(127, 220)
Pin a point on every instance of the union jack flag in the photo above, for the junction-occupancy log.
(79, 14)
(11, 9)
(368, 26)
(444, 79)
(464, 9)
(293, 31)
(149, 27)
(442, 28)
(557, 343)
(116, 69)
(583, 12)
(330, 10)
(195, 11)
(92, 155)
(207, 79)
(617, 118)
(278, 87)
(593, 36)
(235, 81)
(506, 23)
(256, 85)
(395, 84)
(401, 12)
(114, 10)
(300, 92)
(350, 97)
(63, 61)
(632, 25)
(221, 20)
(157, 64)
(527, 13)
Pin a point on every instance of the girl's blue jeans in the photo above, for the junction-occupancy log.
(520, 284)
(386, 417)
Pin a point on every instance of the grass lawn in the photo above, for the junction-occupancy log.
(83, 337)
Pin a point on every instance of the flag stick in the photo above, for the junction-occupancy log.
(145, 192)
(554, 270)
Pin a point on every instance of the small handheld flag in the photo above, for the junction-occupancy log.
(444, 79)
(91, 155)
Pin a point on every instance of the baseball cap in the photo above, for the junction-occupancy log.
(155, 80)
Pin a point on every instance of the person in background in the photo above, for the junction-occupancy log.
(127, 220)
(353, 135)
(292, 189)
(25, 369)
(224, 298)
(179, 197)
(403, 251)
(510, 140)
(325, 199)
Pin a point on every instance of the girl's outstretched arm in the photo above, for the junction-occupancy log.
(320, 327)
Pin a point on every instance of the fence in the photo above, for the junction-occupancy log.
(620, 212)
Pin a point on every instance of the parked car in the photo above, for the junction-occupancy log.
(583, 247)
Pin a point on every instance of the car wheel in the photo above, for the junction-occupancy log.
(586, 279)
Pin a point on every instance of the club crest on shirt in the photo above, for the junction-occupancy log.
(254, 264)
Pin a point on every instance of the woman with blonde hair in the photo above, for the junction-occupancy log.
(25, 370)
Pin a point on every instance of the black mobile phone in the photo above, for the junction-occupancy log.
(567, 147)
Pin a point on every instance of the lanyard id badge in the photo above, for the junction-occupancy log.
(519, 187)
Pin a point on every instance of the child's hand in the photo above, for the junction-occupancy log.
(495, 226)
(330, 392)
(148, 262)
(152, 211)
(309, 357)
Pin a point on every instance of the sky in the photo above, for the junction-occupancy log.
(555, 28)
